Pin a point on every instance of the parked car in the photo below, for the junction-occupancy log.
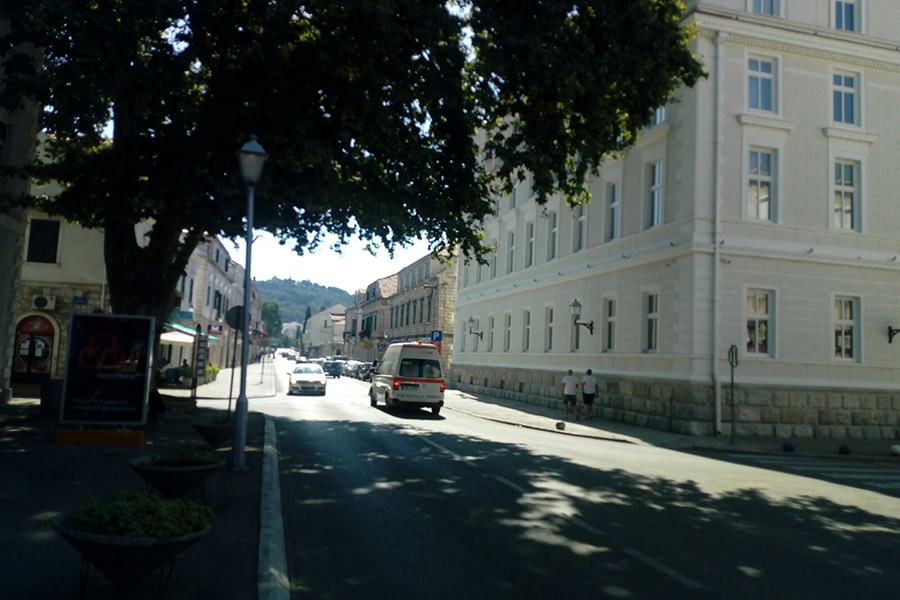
(349, 367)
(362, 370)
(332, 368)
(307, 378)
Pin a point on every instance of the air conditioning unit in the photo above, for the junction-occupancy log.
(43, 302)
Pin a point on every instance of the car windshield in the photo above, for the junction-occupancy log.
(418, 367)
(308, 369)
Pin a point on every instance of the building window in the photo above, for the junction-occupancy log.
(760, 185)
(761, 84)
(494, 259)
(846, 195)
(43, 241)
(845, 320)
(609, 325)
(429, 309)
(208, 295)
(512, 196)
(548, 329)
(659, 116)
(507, 332)
(529, 244)
(654, 195)
(613, 210)
(651, 322)
(490, 347)
(421, 310)
(759, 322)
(844, 92)
(510, 252)
(191, 292)
(580, 233)
(532, 193)
(526, 331)
(552, 235)
(765, 7)
(846, 15)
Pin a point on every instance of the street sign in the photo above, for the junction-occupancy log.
(235, 317)
(79, 300)
(215, 329)
(437, 336)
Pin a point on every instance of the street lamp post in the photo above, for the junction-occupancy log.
(252, 157)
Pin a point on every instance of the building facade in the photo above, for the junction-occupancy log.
(422, 310)
(62, 272)
(325, 332)
(756, 213)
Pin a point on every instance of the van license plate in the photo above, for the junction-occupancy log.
(408, 386)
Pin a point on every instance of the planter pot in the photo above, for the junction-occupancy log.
(171, 481)
(217, 435)
(125, 560)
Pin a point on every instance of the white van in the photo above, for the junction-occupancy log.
(409, 375)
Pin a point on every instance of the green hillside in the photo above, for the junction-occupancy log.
(295, 296)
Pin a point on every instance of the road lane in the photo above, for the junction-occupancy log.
(577, 510)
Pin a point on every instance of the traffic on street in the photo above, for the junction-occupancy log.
(404, 503)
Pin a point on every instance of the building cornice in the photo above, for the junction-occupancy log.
(744, 29)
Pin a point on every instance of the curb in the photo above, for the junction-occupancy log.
(548, 429)
(272, 576)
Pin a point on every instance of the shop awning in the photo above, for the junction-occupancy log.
(176, 338)
(190, 331)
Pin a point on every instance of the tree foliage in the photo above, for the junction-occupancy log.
(271, 318)
(296, 297)
(368, 109)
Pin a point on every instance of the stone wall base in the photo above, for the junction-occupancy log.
(689, 409)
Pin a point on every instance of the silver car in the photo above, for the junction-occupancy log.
(307, 378)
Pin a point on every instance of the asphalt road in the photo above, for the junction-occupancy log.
(409, 505)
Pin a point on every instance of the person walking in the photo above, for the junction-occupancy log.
(588, 393)
(570, 389)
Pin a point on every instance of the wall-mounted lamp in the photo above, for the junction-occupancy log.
(471, 324)
(575, 307)
(891, 333)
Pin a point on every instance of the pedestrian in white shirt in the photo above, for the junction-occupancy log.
(588, 392)
(570, 389)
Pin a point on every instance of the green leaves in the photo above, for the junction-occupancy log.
(369, 109)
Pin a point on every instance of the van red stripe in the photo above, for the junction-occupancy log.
(418, 380)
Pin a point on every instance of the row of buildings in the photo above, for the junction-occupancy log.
(756, 218)
(753, 224)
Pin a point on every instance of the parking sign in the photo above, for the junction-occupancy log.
(437, 336)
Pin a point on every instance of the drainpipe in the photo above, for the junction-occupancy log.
(103, 289)
(717, 225)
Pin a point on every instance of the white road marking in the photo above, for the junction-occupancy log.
(639, 556)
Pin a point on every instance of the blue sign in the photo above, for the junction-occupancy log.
(182, 314)
(82, 300)
(437, 336)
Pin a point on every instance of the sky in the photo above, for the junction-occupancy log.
(355, 268)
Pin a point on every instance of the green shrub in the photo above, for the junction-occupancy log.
(212, 369)
(185, 371)
(138, 514)
(186, 458)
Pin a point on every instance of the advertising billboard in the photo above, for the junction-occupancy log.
(107, 376)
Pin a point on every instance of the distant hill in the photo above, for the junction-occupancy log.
(295, 296)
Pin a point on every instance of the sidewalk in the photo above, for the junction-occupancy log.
(40, 479)
(260, 384)
(541, 417)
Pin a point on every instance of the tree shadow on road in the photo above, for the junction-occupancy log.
(372, 511)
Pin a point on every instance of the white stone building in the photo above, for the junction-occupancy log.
(325, 332)
(758, 212)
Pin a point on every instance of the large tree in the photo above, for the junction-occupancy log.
(368, 109)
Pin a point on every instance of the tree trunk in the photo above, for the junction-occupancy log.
(142, 280)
